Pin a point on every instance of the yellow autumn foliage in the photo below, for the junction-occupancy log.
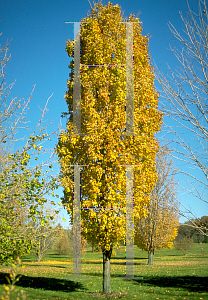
(104, 147)
(160, 226)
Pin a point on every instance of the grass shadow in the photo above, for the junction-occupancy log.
(189, 283)
(52, 284)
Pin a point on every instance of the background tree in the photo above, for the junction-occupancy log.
(64, 244)
(159, 228)
(186, 90)
(94, 246)
(202, 226)
(44, 235)
(197, 232)
(12, 214)
(14, 108)
(24, 183)
(185, 230)
(108, 147)
(183, 244)
(21, 186)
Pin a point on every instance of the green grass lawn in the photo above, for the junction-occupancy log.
(173, 276)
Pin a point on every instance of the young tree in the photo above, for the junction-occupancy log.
(44, 235)
(186, 90)
(64, 244)
(159, 228)
(24, 184)
(23, 191)
(110, 144)
(183, 244)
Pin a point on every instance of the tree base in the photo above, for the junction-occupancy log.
(150, 258)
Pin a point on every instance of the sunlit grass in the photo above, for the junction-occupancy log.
(173, 276)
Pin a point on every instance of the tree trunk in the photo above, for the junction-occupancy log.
(93, 248)
(106, 272)
(77, 262)
(38, 256)
(150, 257)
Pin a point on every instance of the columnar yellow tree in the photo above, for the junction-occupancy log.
(159, 227)
(104, 146)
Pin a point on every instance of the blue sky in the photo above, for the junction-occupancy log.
(37, 34)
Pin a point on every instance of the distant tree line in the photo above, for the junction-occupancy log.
(197, 234)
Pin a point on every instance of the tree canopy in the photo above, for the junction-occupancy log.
(106, 146)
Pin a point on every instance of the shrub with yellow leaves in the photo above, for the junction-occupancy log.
(11, 291)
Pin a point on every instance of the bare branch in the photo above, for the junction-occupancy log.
(185, 91)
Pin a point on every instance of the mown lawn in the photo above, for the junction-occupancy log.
(173, 276)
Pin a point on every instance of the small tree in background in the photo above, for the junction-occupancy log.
(44, 235)
(24, 183)
(64, 244)
(183, 244)
(159, 228)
